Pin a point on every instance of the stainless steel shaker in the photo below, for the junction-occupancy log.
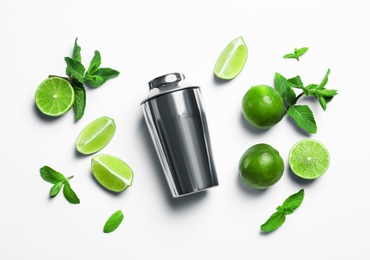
(177, 123)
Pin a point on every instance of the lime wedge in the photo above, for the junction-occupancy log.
(54, 96)
(309, 159)
(111, 172)
(96, 135)
(232, 59)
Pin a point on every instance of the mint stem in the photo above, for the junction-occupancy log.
(294, 101)
(70, 177)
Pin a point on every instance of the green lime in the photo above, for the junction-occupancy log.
(261, 166)
(96, 135)
(111, 172)
(232, 59)
(309, 159)
(262, 106)
(54, 96)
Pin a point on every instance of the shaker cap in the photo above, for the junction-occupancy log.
(167, 83)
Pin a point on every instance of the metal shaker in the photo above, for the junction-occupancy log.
(177, 124)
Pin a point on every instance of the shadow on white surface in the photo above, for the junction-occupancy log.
(248, 189)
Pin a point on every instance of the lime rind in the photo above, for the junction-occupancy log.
(54, 96)
(111, 172)
(232, 59)
(309, 159)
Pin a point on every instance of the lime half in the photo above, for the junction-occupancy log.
(96, 135)
(54, 96)
(232, 59)
(309, 159)
(111, 172)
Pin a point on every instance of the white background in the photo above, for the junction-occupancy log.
(143, 40)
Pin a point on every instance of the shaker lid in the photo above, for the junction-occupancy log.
(167, 83)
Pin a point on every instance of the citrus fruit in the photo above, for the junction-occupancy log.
(54, 96)
(262, 106)
(261, 166)
(111, 172)
(232, 59)
(309, 159)
(96, 135)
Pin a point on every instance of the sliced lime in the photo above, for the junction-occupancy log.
(111, 172)
(309, 159)
(54, 96)
(96, 135)
(232, 59)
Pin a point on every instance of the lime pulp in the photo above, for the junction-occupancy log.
(232, 59)
(111, 172)
(54, 96)
(96, 135)
(309, 159)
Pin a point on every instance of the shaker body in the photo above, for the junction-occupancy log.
(177, 124)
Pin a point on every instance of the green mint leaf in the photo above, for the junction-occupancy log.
(328, 92)
(312, 87)
(321, 100)
(300, 51)
(113, 222)
(76, 55)
(106, 73)
(324, 80)
(69, 194)
(286, 211)
(294, 200)
(94, 80)
(296, 82)
(55, 189)
(80, 99)
(290, 56)
(304, 118)
(283, 87)
(94, 63)
(51, 175)
(275, 221)
(75, 68)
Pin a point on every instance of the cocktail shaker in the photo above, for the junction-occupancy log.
(177, 123)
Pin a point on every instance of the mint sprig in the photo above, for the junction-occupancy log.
(58, 180)
(296, 54)
(288, 207)
(79, 76)
(302, 114)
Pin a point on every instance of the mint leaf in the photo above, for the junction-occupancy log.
(51, 175)
(75, 68)
(94, 63)
(304, 118)
(283, 87)
(94, 80)
(300, 51)
(275, 221)
(113, 222)
(294, 200)
(324, 80)
(106, 73)
(290, 56)
(76, 55)
(80, 99)
(69, 194)
(55, 189)
(296, 82)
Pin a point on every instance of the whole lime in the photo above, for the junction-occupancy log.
(261, 166)
(262, 106)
